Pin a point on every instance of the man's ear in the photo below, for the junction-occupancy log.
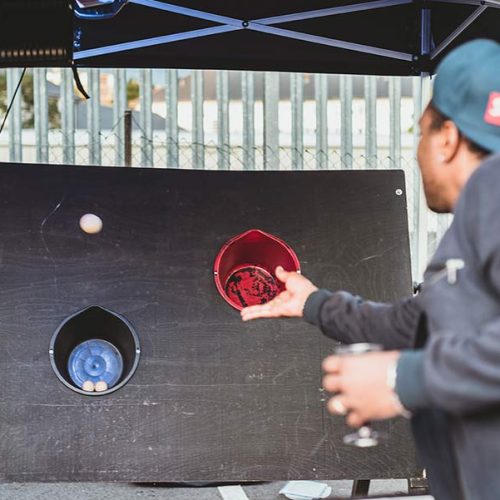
(451, 139)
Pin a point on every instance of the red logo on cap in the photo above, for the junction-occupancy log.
(492, 114)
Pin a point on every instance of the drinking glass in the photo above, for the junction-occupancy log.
(365, 436)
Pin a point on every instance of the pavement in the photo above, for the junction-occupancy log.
(126, 491)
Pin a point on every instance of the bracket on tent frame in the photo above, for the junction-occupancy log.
(98, 9)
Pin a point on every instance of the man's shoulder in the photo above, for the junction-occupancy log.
(480, 198)
(487, 174)
(480, 208)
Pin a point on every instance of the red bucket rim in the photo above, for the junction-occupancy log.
(218, 282)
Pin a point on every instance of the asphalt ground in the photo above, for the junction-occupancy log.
(126, 491)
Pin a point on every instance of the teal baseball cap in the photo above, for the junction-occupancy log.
(467, 90)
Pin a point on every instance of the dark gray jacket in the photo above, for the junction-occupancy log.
(451, 377)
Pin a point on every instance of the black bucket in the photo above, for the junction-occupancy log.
(93, 328)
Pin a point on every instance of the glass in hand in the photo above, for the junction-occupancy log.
(365, 436)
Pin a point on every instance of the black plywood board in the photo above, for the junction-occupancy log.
(213, 398)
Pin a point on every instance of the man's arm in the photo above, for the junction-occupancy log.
(340, 315)
(456, 372)
(349, 319)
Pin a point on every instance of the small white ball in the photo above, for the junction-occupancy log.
(90, 224)
(101, 386)
(88, 386)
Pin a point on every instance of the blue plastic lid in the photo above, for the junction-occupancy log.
(95, 360)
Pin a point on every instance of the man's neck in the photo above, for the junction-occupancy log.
(466, 165)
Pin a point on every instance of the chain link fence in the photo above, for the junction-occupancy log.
(200, 127)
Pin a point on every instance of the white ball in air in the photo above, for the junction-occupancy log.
(90, 223)
(101, 386)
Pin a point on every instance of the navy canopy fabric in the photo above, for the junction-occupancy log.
(395, 28)
(36, 33)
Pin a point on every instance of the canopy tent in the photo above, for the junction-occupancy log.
(398, 37)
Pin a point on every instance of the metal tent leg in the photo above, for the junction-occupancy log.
(418, 485)
(360, 487)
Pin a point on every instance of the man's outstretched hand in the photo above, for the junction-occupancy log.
(289, 303)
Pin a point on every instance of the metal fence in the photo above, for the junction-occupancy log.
(225, 120)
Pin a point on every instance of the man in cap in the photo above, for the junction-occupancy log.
(442, 358)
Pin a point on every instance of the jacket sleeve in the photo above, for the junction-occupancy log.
(349, 319)
(459, 374)
(456, 372)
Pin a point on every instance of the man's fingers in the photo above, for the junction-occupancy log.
(281, 274)
(272, 309)
(331, 364)
(332, 383)
(354, 420)
(337, 405)
(260, 314)
(254, 312)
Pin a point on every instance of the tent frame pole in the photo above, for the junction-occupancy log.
(263, 25)
(435, 52)
(266, 25)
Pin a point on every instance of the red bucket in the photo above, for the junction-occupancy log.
(244, 268)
